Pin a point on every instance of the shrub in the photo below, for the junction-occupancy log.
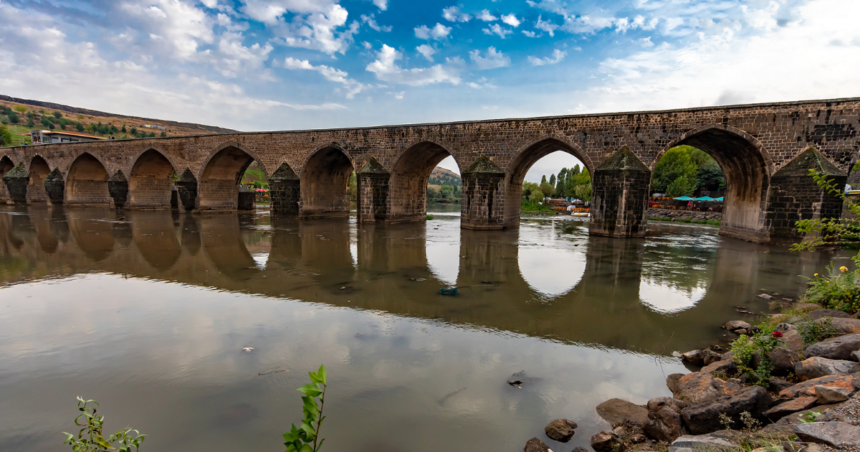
(13, 118)
(306, 438)
(90, 438)
(4, 121)
(58, 115)
(5, 136)
(79, 127)
(20, 108)
(746, 349)
(837, 290)
(816, 331)
(30, 123)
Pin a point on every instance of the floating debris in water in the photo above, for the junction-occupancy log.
(417, 279)
(272, 372)
(766, 296)
(449, 292)
(247, 349)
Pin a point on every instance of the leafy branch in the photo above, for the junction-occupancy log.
(90, 437)
(830, 231)
(306, 437)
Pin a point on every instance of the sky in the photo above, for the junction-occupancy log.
(306, 64)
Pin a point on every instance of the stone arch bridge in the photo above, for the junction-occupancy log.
(765, 151)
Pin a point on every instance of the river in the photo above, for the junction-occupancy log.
(149, 312)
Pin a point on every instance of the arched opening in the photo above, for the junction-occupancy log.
(39, 170)
(325, 181)
(424, 173)
(5, 165)
(150, 184)
(746, 176)
(87, 182)
(219, 186)
(554, 170)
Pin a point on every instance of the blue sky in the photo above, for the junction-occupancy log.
(296, 64)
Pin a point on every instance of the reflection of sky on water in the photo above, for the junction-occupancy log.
(444, 261)
(667, 299)
(551, 271)
(260, 259)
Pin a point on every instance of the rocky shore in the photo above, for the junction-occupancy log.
(804, 395)
(683, 215)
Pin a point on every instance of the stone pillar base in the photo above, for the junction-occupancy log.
(373, 184)
(16, 181)
(619, 197)
(285, 192)
(187, 188)
(483, 203)
(118, 189)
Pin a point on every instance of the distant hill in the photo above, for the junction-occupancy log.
(86, 117)
(442, 176)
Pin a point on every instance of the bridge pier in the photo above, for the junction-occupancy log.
(55, 187)
(16, 181)
(373, 185)
(619, 200)
(285, 191)
(187, 188)
(118, 189)
(483, 202)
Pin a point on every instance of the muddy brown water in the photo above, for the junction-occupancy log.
(148, 312)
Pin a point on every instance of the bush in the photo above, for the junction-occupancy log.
(20, 108)
(837, 290)
(4, 121)
(58, 115)
(747, 349)
(13, 118)
(90, 438)
(79, 127)
(817, 331)
(5, 136)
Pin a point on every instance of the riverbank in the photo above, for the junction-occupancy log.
(684, 216)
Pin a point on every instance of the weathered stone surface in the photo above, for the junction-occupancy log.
(673, 382)
(827, 395)
(784, 360)
(703, 443)
(833, 434)
(616, 411)
(839, 347)
(777, 384)
(694, 357)
(606, 442)
(845, 326)
(822, 313)
(807, 388)
(704, 417)
(536, 445)
(734, 325)
(664, 419)
(817, 366)
(791, 406)
(793, 341)
(726, 367)
(701, 386)
(710, 356)
(561, 430)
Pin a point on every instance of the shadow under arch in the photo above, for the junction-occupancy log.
(6, 164)
(747, 167)
(155, 237)
(150, 182)
(409, 177)
(324, 179)
(218, 184)
(87, 182)
(93, 232)
(38, 171)
(519, 166)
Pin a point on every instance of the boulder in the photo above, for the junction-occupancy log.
(672, 382)
(784, 360)
(606, 442)
(833, 434)
(704, 417)
(827, 395)
(734, 325)
(820, 367)
(822, 313)
(846, 326)
(579, 449)
(694, 357)
(700, 387)
(561, 430)
(703, 443)
(710, 356)
(617, 411)
(855, 355)
(536, 445)
(726, 367)
(791, 406)
(664, 419)
(835, 348)
(777, 384)
(793, 341)
(807, 388)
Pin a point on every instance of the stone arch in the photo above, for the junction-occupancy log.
(87, 182)
(150, 182)
(324, 180)
(38, 171)
(6, 164)
(747, 167)
(525, 157)
(409, 177)
(218, 181)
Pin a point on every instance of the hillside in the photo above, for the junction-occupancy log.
(442, 176)
(70, 117)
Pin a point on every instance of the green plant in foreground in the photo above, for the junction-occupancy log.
(429, 217)
(836, 290)
(747, 350)
(90, 438)
(306, 438)
(809, 417)
(816, 331)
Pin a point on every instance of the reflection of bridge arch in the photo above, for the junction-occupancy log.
(93, 232)
(155, 237)
(222, 243)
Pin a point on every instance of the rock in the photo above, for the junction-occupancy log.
(807, 306)
(766, 296)
(777, 384)
(821, 313)
(638, 438)
(726, 367)
(846, 326)
(833, 434)
(784, 327)
(699, 387)
(606, 442)
(827, 395)
(672, 382)
(807, 388)
(793, 341)
(835, 348)
(784, 360)
(702, 443)
(536, 445)
(694, 357)
(704, 417)
(792, 406)
(664, 419)
(820, 367)
(855, 355)
(561, 430)
(710, 356)
(733, 325)
(579, 449)
(617, 411)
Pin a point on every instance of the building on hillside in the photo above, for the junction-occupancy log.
(152, 126)
(51, 137)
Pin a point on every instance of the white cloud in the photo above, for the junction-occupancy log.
(511, 20)
(381, 4)
(427, 51)
(331, 74)
(486, 16)
(235, 59)
(453, 14)
(438, 32)
(496, 29)
(319, 31)
(371, 22)
(557, 56)
(270, 11)
(481, 84)
(398, 95)
(180, 25)
(546, 26)
(646, 42)
(387, 70)
(529, 33)
(493, 60)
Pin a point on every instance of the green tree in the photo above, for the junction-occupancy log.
(576, 170)
(5, 136)
(13, 118)
(432, 193)
(543, 179)
(30, 123)
(547, 189)
(682, 186)
(134, 131)
(552, 180)
(446, 192)
(560, 181)
(58, 115)
(528, 188)
(583, 192)
(123, 129)
(20, 108)
(710, 176)
(79, 127)
(673, 165)
(536, 197)
(352, 187)
(163, 134)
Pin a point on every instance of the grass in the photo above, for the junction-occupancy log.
(16, 131)
(429, 217)
(687, 220)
